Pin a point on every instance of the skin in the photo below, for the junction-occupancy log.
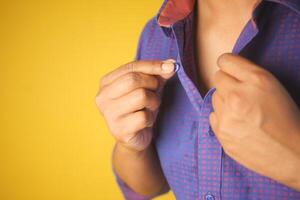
(248, 106)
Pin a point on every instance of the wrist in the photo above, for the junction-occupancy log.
(125, 150)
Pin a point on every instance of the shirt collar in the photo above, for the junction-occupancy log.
(173, 11)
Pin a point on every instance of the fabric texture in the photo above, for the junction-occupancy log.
(191, 157)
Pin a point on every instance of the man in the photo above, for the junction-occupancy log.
(222, 126)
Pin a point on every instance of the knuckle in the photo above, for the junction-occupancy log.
(214, 124)
(102, 103)
(112, 116)
(147, 98)
(109, 112)
(222, 128)
(121, 137)
(146, 119)
(152, 64)
(261, 78)
(99, 100)
(153, 81)
(114, 131)
(236, 101)
(130, 67)
(113, 128)
(142, 94)
(133, 79)
(117, 130)
(225, 132)
(239, 105)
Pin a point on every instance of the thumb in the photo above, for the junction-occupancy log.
(169, 68)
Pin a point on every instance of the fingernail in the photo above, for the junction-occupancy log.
(168, 66)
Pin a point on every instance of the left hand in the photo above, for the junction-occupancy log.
(256, 121)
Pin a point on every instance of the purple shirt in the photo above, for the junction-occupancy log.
(191, 157)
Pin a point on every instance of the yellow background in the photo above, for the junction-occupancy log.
(53, 142)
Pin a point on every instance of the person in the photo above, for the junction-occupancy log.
(226, 123)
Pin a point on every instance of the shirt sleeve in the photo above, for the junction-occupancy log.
(127, 192)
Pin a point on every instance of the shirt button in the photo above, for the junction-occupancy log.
(210, 131)
(209, 197)
(177, 66)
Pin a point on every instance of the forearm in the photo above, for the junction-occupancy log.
(141, 171)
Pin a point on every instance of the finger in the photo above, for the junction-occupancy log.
(136, 100)
(140, 139)
(165, 69)
(213, 121)
(130, 82)
(224, 83)
(236, 66)
(217, 103)
(133, 123)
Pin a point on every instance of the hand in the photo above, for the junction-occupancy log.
(255, 120)
(129, 98)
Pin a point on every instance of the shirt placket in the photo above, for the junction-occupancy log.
(210, 153)
(187, 83)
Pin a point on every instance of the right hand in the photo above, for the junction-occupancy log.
(129, 98)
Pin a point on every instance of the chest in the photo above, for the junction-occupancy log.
(211, 42)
